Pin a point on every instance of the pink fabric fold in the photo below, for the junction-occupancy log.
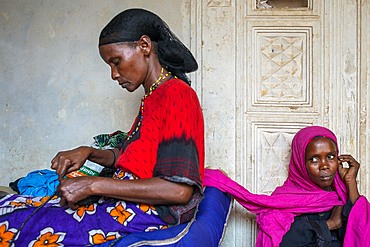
(275, 213)
(358, 225)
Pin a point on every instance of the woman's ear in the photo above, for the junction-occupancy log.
(145, 44)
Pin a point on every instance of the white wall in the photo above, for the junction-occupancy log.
(55, 90)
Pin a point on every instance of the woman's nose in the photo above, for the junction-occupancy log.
(114, 74)
(324, 164)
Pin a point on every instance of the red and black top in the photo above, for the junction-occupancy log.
(169, 143)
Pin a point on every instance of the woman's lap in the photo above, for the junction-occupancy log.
(93, 224)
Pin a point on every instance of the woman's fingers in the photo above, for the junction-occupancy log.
(62, 166)
(349, 159)
(342, 171)
(348, 174)
(68, 161)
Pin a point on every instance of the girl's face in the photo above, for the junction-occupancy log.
(322, 162)
(128, 64)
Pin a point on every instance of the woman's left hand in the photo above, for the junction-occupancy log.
(348, 175)
(73, 190)
(335, 221)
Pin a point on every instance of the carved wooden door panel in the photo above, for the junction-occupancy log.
(269, 68)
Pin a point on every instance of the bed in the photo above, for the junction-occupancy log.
(205, 230)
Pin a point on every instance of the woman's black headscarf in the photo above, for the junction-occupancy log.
(131, 24)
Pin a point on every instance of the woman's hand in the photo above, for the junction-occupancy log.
(73, 190)
(71, 160)
(349, 175)
(335, 221)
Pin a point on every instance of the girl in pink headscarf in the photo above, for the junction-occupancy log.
(319, 203)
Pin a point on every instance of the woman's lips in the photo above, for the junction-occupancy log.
(326, 177)
(123, 84)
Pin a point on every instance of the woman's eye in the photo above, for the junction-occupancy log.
(115, 61)
(330, 156)
(314, 159)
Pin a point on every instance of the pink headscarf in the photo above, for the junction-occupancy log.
(298, 194)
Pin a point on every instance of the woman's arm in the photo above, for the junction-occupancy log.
(149, 191)
(71, 160)
(349, 176)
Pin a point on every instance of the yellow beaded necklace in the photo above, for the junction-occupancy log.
(151, 89)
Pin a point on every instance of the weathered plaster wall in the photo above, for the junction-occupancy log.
(55, 90)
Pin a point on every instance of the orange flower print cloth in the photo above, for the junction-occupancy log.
(53, 225)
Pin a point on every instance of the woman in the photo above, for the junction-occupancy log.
(325, 228)
(319, 203)
(160, 163)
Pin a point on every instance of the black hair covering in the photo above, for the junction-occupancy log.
(131, 24)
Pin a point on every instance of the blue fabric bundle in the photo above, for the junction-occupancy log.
(39, 183)
(205, 230)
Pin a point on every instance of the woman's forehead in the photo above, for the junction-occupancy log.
(115, 49)
(321, 142)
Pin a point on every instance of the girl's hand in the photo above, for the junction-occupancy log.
(348, 175)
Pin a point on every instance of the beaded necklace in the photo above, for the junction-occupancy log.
(151, 89)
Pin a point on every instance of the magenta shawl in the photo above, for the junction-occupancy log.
(298, 195)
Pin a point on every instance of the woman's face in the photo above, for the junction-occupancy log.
(321, 161)
(128, 64)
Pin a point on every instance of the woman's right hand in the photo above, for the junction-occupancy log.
(70, 160)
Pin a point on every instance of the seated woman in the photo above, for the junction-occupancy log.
(319, 203)
(160, 163)
(325, 228)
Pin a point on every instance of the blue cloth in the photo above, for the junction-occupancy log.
(205, 230)
(39, 183)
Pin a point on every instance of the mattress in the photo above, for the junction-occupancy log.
(206, 229)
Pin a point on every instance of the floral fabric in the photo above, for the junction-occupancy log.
(53, 225)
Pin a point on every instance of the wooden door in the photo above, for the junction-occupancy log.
(269, 68)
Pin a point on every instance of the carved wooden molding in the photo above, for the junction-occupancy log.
(272, 153)
(282, 66)
(219, 3)
(262, 4)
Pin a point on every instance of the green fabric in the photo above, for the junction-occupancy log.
(112, 140)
